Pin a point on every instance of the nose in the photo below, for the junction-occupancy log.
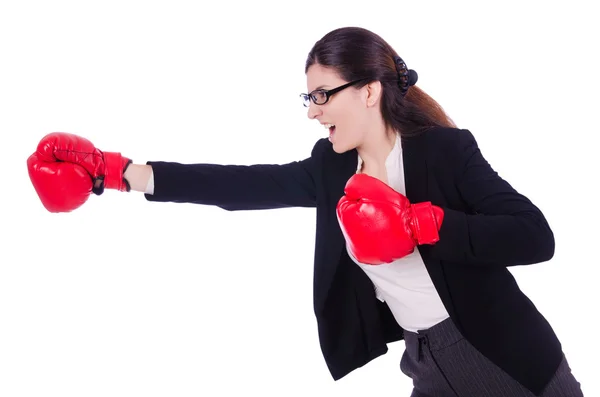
(314, 111)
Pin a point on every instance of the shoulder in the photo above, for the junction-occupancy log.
(452, 144)
(320, 147)
(447, 137)
(323, 151)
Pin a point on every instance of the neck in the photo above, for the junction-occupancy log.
(376, 150)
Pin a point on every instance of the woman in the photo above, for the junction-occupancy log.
(415, 230)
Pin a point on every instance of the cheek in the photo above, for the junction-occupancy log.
(354, 123)
(342, 115)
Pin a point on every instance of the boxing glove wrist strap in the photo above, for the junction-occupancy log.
(426, 222)
(114, 168)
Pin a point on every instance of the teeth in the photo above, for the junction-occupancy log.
(328, 126)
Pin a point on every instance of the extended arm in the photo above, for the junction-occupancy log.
(66, 168)
(236, 187)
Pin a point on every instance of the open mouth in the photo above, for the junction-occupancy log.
(331, 128)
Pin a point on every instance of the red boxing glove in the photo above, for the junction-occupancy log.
(381, 225)
(66, 168)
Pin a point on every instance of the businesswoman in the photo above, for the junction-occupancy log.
(415, 230)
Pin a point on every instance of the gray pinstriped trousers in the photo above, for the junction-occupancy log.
(442, 363)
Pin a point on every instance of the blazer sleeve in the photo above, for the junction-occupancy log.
(503, 228)
(237, 187)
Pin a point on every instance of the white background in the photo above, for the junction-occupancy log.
(124, 297)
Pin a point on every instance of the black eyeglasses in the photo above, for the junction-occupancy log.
(320, 97)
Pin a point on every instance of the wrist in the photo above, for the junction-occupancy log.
(139, 176)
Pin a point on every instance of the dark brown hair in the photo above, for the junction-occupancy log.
(357, 53)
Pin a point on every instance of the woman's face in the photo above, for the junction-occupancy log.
(345, 115)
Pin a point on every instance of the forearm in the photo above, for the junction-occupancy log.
(235, 187)
(138, 176)
(231, 187)
(501, 240)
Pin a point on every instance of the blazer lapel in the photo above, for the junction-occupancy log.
(415, 168)
(330, 244)
(416, 175)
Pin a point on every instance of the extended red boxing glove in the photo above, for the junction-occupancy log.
(66, 168)
(381, 225)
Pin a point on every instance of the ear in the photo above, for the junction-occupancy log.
(373, 93)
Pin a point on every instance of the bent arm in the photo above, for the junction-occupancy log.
(506, 229)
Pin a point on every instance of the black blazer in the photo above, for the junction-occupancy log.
(487, 227)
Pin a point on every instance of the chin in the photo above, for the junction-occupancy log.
(339, 149)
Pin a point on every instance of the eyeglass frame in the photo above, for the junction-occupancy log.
(328, 93)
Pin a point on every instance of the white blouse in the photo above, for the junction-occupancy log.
(405, 283)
